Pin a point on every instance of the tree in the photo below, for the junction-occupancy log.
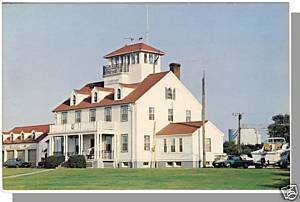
(230, 148)
(280, 127)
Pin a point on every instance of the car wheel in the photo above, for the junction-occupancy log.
(227, 165)
(245, 165)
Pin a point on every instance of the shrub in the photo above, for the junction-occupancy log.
(54, 161)
(76, 161)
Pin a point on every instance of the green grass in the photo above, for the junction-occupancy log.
(15, 171)
(139, 179)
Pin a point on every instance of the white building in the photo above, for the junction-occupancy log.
(249, 136)
(129, 118)
(28, 143)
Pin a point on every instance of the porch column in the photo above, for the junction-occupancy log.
(15, 153)
(26, 155)
(95, 145)
(4, 155)
(67, 145)
(100, 146)
(79, 144)
(50, 148)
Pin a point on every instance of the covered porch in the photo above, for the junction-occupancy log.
(92, 146)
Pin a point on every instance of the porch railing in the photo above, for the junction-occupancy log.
(107, 154)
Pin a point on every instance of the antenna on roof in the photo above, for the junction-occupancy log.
(147, 24)
(129, 38)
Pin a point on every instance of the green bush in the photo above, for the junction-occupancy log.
(54, 161)
(76, 161)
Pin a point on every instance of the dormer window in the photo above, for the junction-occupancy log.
(74, 100)
(11, 137)
(137, 58)
(22, 136)
(95, 97)
(119, 94)
(128, 59)
(33, 135)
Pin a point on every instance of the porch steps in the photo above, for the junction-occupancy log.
(108, 164)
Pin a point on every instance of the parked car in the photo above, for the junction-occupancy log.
(233, 161)
(17, 163)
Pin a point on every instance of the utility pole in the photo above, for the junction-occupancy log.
(239, 115)
(203, 120)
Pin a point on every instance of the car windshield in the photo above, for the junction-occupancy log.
(234, 158)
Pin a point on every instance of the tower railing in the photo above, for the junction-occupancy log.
(115, 69)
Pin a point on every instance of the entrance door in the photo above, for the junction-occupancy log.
(107, 152)
(108, 143)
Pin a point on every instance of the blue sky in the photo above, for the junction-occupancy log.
(50, 49)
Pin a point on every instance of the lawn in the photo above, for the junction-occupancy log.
(16, 171)
(139, 179)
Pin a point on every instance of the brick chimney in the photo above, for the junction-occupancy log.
(175, 68)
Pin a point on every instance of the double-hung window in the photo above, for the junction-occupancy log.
(151, 113)
(147, 143)
(165, 145)
(107, 114)
(173, 144)
(92, 115)
(207, 144)
(124, 113)
(188, 115)
(170, 114)
(124, 143)
(180, 145)
(77, 116)
(64, 117)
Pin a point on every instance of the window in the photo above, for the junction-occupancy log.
(125, 164)
(174, 93)
(207, 144)
(133, 58)
(74, 99)
(173, 145)
(107, 114)
(169, 164)
(11, 137)
(64, 117)
(33, 135)
(180, 145)
(188, 115)
(178, 163)
(151, 113)
(170, 114)
(124, 143)
(145, 164)
(124, 113)
(168, 92)
(22, 136)
(92, 115)
(128, 59)
(147, 143)
(95, 97)
(145, 58)
(119, 94)
(165, 145)
(137, 58)
(77, 116)
(151, 58)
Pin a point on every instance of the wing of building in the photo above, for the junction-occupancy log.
(28, 143)
(137, 116)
